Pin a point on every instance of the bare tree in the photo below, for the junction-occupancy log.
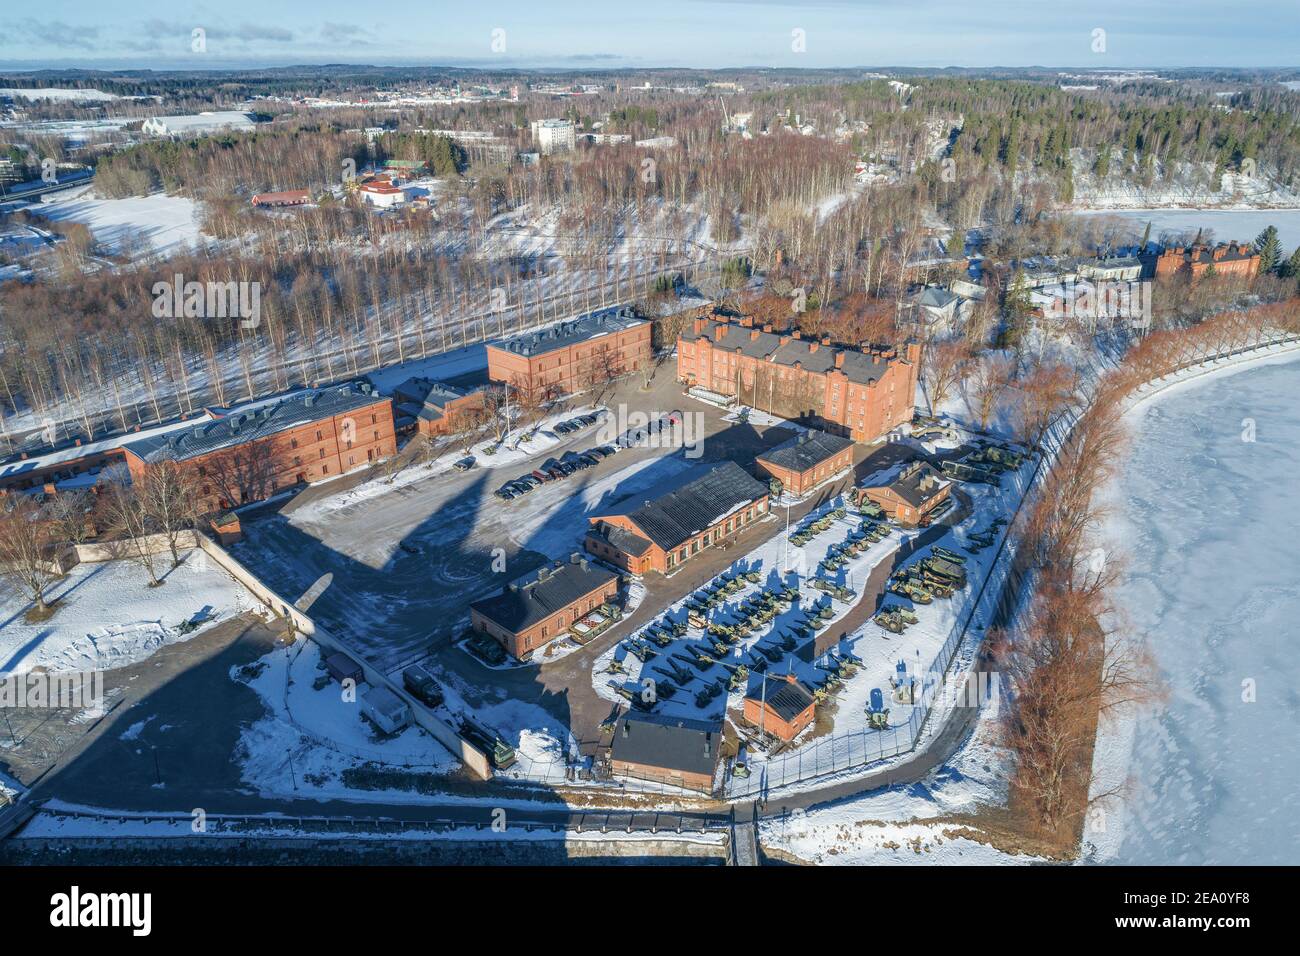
(129, 523)
(28, 546)
(985, 384)
(942, 369)
(169, 492)
(71, 513)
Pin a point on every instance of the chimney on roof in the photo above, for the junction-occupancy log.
(746, 321)
(625, 722)
(753, 335)
(826, 340)
(839, 359)
(708, 744)
(812, 347)
(575, 558)
(309, 399)
(790, 678)
(784, 339)
(699, 324)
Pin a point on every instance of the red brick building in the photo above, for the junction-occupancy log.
(861, 394)
(917, 491)
(1195, 261)
(667, 531)
(572, 356)
(249, 453)
(536, 609)
(780, 706)
(807, 460)
(435, 408)
(677, 751)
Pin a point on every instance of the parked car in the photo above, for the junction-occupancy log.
(542, 476)
(563, 428)
(609, 449)
(596, 453)
(465, 464)
(504, 493)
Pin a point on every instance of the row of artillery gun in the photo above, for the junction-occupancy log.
(809, 531)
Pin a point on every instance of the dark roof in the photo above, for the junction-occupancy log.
(257, 420)
(812, 356)
(602, 322)
(671, 743)
(679, 515)
(537, 596)
(787, 699)
(918, 483)
(806, 450)
(621, 538)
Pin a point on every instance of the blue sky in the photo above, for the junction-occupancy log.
(631, 33)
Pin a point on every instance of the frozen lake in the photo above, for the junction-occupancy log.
(1211, 525)
(1242, 225)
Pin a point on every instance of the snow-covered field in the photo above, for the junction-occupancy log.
(144, 225)
(311, 736)
(1206, 520)
(108, 616)
(900, 826)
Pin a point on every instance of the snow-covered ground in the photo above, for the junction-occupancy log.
(144, 225)
(1205, 519)
(311, 735)
(902, 825)
(108, 616)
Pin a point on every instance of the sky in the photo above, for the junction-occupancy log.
(600, 34)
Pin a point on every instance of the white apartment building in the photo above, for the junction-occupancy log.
(554, 135)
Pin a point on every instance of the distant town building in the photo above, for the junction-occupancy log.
(807, 460)
(383, 193)
(1113, 269)
(534, 610)
(863, 394)
(677, 751)
(605, 139)
(406, 168)
(657, 142)
(249, 453)
(572, 355)
(294, 197)
(554, 135)
(198, 124)
(665, 532)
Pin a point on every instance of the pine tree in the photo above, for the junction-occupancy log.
(1269, 249)
(1290, 269)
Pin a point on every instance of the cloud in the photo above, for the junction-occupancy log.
(345, 34)
(244, 33)
(52, 33)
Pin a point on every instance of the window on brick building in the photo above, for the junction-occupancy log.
(322, 452)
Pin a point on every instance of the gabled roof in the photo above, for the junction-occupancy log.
(918, 483)
(626, 541)
(535, 597)
(670, 743)
(679, 515)
(806, 450)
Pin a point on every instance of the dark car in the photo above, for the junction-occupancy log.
(563, 428)
(609, 449)
(589, 419)
(465, 464)
(596, 453)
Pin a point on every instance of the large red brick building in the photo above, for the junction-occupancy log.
(667, 531)
(249, 453)
(1196, 260)
(435, 408)
(863, 394)
(572, 356)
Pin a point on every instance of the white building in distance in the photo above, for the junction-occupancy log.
(198, 124)
(554, 135)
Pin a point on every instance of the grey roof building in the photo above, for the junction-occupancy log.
(786, 698)
(809, 354)
(679, 515)
(806, 450)
(677, 745)
(533, 598)
(617, 318)
(247, 423)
